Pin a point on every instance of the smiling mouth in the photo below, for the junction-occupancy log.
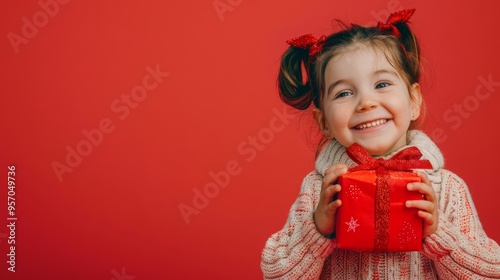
(370, 124)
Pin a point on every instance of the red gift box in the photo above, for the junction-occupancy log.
(373, 215)
(357, 217)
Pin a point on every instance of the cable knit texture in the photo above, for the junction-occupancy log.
(459, 249)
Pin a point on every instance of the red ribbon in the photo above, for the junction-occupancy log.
(404, 160)
(401, 16)
(308, 42)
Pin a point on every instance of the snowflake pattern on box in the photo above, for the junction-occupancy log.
(353, 191)
(406, 235)
(353, 224)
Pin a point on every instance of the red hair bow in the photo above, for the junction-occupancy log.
(401, 16)
(308, 42)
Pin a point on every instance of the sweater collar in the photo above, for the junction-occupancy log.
(334, 152)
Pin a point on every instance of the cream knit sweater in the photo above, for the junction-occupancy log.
(459, 249)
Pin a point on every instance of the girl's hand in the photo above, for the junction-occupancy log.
(324, 215)
(428, 208)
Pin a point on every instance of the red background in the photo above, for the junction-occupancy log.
(116, 215)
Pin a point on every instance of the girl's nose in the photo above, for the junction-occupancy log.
(366, 102)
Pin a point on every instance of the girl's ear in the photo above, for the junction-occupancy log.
(415, 101)
(319, 117)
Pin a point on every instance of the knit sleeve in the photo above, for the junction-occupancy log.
(298, 251)
(460, 248)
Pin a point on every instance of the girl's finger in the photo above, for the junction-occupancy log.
(332, 174)
(329, 192)
(328, 180)
(334, 205)
(335, 168)
(424, 177)
(423, 205)
(424, 189)
(427, 217)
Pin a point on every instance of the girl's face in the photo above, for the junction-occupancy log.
(367, 102)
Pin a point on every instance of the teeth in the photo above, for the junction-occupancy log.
(368, 125)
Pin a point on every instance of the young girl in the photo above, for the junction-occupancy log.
(363, 82)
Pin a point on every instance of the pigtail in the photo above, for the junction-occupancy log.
(293, 79)
(409, 42)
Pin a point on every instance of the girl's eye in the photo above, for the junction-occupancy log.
(343, 94)
(382, 85)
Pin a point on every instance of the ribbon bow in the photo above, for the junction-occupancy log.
(308, 42)
(401, 16)
(404, 160)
